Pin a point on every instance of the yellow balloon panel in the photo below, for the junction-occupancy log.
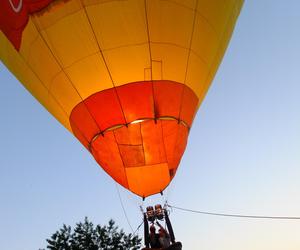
(127, 64)
(89, 75)
(57, 11)
(222, 45)
(187, 3)
(205, 42)
(217, 13)
(70, 39)
(39, 58)
(118, 23)
(54, 108)
(30, 80)
(173, 60)
(170, 23)
(64, 92)
(31, 34)
(54, 83)
(197, 74)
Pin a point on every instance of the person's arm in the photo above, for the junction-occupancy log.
(158, 224)
(166, 232)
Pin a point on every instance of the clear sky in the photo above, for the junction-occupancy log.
(243, 154)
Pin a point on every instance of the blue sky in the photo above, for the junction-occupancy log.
(243, 154)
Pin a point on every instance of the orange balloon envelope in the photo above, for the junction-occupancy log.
(125, 77)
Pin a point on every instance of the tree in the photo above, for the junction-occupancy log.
(86, 236)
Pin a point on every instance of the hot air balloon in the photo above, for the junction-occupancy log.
(126, 77)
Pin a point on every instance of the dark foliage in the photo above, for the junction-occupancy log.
(86, 236)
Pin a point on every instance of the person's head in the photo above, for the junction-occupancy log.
(161, 232)
(152, 229)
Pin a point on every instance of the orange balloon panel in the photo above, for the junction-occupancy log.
(125, 77)
(137, 125)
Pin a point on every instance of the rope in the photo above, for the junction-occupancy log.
(237, 215)
(137, 229)
(124, 211)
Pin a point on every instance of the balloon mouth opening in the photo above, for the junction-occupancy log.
(162, 118)
(137, 121)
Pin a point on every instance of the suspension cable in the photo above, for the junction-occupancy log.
(237, 215)
(137, 229)
(124, 211)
